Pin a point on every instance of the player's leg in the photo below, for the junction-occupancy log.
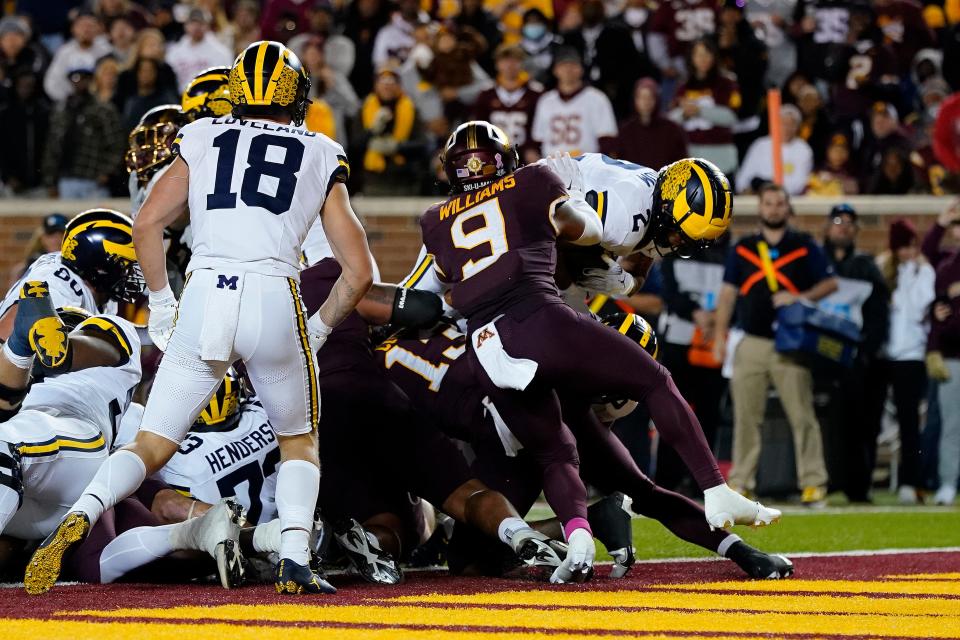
(183, 387)
(282, 368)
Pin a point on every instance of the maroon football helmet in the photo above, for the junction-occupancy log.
(477, 154)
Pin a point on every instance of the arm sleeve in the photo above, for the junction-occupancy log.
(339, 167)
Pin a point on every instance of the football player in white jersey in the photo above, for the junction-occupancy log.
(95, 268)
(645, 214)
(254, 184)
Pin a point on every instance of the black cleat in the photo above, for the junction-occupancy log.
(760, 565)
(47, 561)
(365, 555)
(293, 578)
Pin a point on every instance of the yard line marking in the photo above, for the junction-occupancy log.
(915, 587)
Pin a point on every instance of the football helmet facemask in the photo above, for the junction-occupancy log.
(267, 79)
(476, 154)
(98, 247)
(223, 411)
(692, 207)
(150, 143)
(207, 95)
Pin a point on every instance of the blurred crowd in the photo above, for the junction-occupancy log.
(868, 88)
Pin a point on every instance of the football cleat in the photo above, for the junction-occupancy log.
(293, 578)
(537, 550)
(47, 561)
(365, 555)
(217, 532)
(814, 497)
(724, 508)
(623, 559)
(760, 565)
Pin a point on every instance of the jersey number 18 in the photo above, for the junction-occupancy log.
(258, 166)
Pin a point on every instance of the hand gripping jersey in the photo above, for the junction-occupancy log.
(496, 247)
(622, 195)
(67, 289)
(240, 462)
(256, 187)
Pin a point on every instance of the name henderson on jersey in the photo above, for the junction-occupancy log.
(238, 450)
(462, 203)
(266, 126)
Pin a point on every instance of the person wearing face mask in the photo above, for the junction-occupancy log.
(538, 42)
(636, 14)
(797, 270)
(611, 61)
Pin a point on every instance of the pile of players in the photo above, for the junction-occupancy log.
(479, 350)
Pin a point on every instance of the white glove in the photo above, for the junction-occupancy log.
(163, 312)
(568, 171)
(578, 566)
(613, 280)
(318, 331)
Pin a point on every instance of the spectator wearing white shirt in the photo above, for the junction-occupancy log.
(197, 50)
(757, 165)
(911, 279)
(394, 41)
(82, 51)
(572, 118)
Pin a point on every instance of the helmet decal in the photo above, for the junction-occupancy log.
(675, 178)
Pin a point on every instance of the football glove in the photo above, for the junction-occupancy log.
(578, 565)
(612, 281)
(163, 314)
(568, 171)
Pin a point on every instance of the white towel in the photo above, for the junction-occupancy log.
(221, 316)
(504, 370)
(511, 446)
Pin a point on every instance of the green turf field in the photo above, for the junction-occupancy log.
(833, 530)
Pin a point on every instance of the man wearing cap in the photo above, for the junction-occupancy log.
(81, 52)
(197, 50)
(512, 102)
(85, 144)
(573, 118)
(858, 393)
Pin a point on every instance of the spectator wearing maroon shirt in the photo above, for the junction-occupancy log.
(705, 106)
(904, 29)
(885, 134)
(512, 102)
(648, 138)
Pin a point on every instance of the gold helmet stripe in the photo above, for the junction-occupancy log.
(126, 251)
(110, 327)
(645, 338)
(626, 324)
(471, 136)
(597, 303)
(707, 191)
(275, 76)
(258, 73)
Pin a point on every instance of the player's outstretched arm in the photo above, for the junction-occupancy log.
(577, 223)
(393, 304)
(349, 244)
(166, 202)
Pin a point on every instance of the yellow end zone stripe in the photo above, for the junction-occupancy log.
(704, 622)
(19, 629)
(924, 576)
(655, 599)
(919, 587)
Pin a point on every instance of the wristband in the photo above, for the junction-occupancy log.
(574, 524)
(162, 297)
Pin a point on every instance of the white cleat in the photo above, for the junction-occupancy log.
(724, 508)
(217, 532)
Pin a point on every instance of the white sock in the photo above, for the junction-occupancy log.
(726, 543)
(20, 362)
(508, 527)
(266, 537)
(134, 548)
(117, 478)
(298, 484)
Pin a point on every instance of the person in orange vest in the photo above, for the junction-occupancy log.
(767, 270)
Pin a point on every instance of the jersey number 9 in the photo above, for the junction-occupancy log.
(285, 173)
(491, 232)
